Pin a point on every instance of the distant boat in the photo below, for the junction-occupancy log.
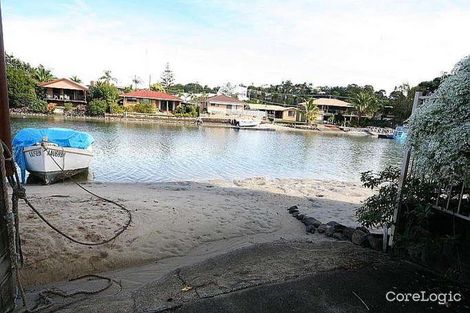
(53, 154)
(400, 133)
(247, 123)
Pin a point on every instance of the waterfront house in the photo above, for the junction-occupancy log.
(334, 109)
(277, 113)
(223, 105)
(162, 101)
(63, 90)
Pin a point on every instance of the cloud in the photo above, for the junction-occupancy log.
(383, 43)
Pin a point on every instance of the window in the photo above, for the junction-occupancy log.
(291, 113)
(229, 106)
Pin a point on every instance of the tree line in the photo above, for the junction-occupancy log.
(366, 100)
(24, 92)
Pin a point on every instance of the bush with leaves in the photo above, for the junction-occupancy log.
(144, 107)
(377, 210)
(187, 110)
(118, 109)
(440, 130)
(38, 106)
(103, 90)
(97, 107)
(68, 107)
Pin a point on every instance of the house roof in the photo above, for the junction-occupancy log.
(150, 94)
(332, 102)
(63, 83)
(268, 107)
(222, 99)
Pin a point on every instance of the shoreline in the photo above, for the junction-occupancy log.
(170, 220)
(185, 121)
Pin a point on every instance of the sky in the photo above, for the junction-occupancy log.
(324, 42)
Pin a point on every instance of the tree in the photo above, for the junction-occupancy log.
(136, 81)
(440, 130)
(76, 79)
(193, 88)
(42, 74)
(21, 87)
(108, 77)
(157, 87)
(364, 103)
(97, 107)
(311, 111)
(167, 77)
(227, 90)
(103, 91)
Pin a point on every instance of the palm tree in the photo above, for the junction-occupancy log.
(42, 74)
(364, 103)
(136, 81)
(76, 79)
(311, 111)
(108, 77)
(157, 87)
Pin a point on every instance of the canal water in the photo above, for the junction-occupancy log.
(130, 152)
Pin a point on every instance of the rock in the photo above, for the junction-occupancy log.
(329, 231)
(293, 209)
(362, 228)
(375, 241)
(358, 237)
(339, 236)
(295, 214)
(310, 229)
(347, 232)
(337, 226)
(300, 217)
(307, 220)
(321, 229)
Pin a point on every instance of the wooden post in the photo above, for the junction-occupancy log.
(403, 172)
(5, 133)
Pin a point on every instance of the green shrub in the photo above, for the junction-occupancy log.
(144, 108)
(377, 210)
(117, 109)
(68, 107)
(97, 107)
(440, 130)
(38, 106)
(187, 110)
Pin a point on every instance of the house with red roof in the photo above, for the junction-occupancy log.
(223, 105)
(162, 101)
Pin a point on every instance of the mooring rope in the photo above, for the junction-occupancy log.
(15, 244)
(20, 193)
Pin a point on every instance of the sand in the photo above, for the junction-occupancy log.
(169, 220)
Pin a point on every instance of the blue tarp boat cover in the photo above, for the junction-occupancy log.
(63, 137)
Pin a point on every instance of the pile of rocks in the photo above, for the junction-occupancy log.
(360, 235)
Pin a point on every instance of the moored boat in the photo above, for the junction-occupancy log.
(247, 123)
(52, 154)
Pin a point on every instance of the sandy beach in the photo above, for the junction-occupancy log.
(169, 220)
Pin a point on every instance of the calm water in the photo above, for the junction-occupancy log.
(152, 153)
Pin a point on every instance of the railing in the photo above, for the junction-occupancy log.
(64, 98)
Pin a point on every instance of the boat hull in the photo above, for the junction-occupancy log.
(242, 123)
(53, 163)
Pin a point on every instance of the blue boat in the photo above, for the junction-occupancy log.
(400, 133)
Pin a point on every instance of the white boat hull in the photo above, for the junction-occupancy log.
(244, 123)
(54, 163)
